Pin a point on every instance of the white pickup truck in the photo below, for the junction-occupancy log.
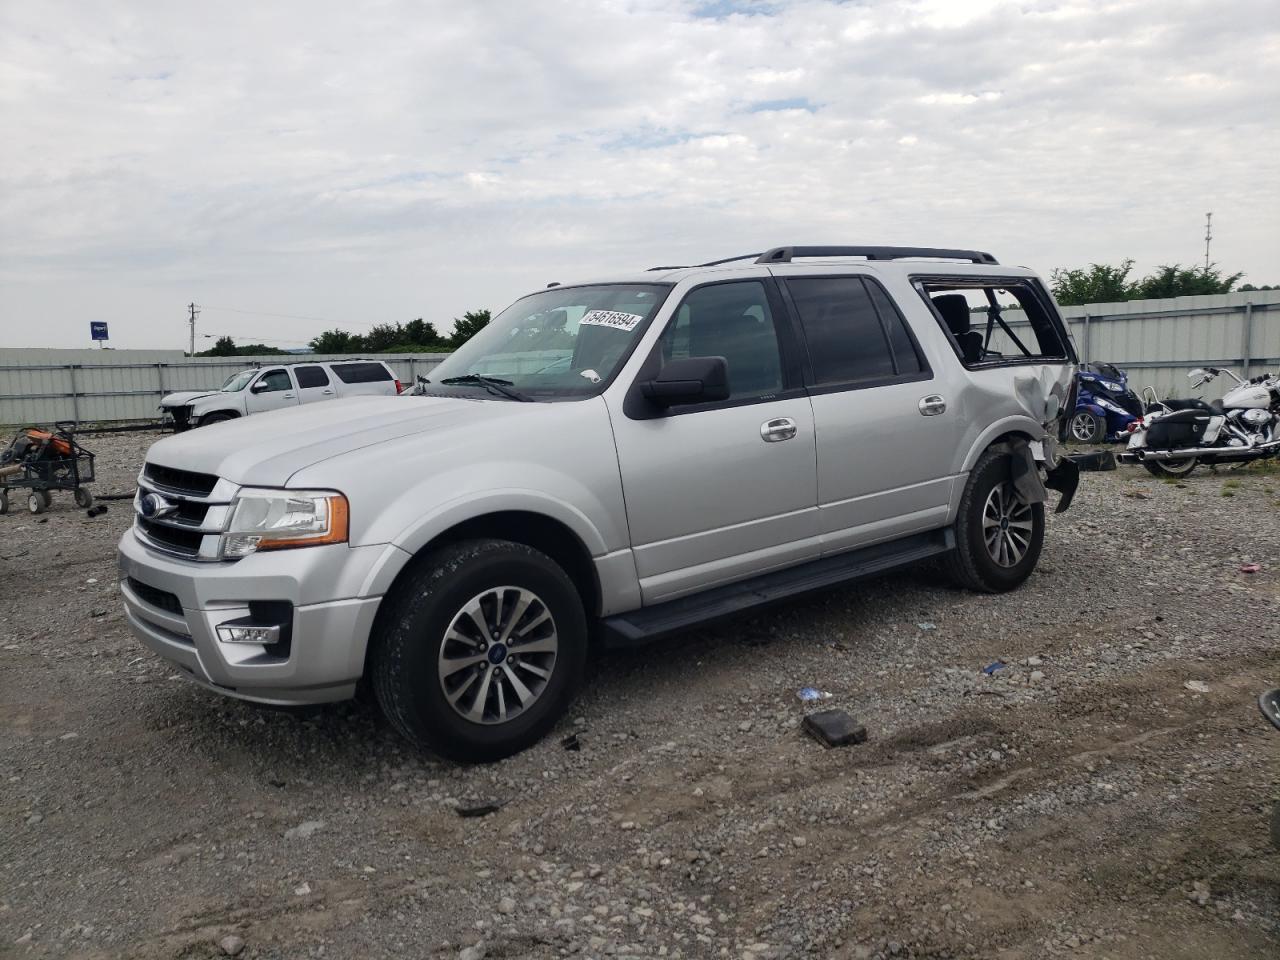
(278, 387)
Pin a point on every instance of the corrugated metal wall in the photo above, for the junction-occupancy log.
(1157, 341)
(92, 386)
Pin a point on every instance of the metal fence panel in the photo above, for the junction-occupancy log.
(101, 386)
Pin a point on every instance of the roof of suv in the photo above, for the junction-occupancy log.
(960, 261)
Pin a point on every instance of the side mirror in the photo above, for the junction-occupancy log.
(259, 387)
(1197, 374)
(692, 380)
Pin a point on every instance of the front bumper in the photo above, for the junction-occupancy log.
(325, 657)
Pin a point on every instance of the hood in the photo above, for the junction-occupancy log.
(184, 397)
(268, 448)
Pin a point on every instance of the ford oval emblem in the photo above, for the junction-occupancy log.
(153, 505)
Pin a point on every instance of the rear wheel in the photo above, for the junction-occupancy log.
(1170, 468)
(36, 502)
(84, 498)
(998, 536)
(1088, 427)
(480, 650)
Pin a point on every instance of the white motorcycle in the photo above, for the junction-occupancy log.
(1175, 435)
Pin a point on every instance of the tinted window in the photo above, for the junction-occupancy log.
(846, 339)
(311, 376)
(730, 320)
(905, 351)
(361, 372)
(274, 380)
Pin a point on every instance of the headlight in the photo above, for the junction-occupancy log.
(263, 519)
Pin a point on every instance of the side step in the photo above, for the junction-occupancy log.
(649, 623)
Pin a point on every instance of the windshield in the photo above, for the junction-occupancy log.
(561, 343)
(238, 381)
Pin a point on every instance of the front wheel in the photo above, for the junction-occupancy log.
(1088, 427)
(998, 536)
(1170, 468)
(212, 418)
(480, 650)
(84, 499)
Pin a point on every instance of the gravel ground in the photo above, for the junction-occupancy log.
(1083, 802)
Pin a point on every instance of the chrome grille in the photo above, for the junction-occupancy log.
(195, 506)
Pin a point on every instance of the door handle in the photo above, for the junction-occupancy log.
(781, 428)
(330, 392)
(288, 396)
(932, 405)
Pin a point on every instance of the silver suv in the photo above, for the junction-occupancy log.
(606, 463)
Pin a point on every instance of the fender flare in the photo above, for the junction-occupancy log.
(1029, 428)
(446, 516)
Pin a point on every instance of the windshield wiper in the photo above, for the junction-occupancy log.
(492, 384)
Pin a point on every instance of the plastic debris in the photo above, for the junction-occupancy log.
(810, 694)
(1250, 568)
(571, 742)
(991, 668)
(1197, 686)
(834, 728)
(479, 809)
(927, 626)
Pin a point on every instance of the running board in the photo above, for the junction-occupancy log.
(649, 623)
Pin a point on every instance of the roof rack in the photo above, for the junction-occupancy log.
(786, 254)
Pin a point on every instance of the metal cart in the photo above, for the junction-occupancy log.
(41, 461)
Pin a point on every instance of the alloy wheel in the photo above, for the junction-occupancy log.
(498, 654)
(1007, 525)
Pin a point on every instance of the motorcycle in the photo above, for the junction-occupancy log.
(1173, 436)
(1105, 405)
(1269, 704)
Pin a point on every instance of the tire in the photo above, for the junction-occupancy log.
(426, 623)
(1170, 468)
(977, 563)
(84, 499)
(211, 418)
(4, 502)
(1087, 427)
(36, 502)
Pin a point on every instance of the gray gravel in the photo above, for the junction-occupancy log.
(1083, 800)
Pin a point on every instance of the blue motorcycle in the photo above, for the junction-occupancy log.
(1105, 406)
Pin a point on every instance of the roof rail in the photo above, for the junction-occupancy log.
(786, 254)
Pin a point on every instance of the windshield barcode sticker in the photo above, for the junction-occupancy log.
(610, 318)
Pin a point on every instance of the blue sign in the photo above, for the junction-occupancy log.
(98, 329)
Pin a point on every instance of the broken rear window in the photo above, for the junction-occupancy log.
(995, 322)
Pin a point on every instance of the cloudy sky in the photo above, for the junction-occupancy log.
(355, 163)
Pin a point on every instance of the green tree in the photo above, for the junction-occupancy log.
(472, 322)
(338, 341)
(1099, 283)
(384, 336)
(1250, 288)
(1175, 281)
(421, 332)
(222, 347)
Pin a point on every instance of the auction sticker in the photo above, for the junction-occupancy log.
(610, 318)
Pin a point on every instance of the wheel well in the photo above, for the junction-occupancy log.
(535, 530)
(233, 414)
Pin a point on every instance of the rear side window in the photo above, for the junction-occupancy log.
(995, 322)
(361, 372)
(853, 331)
(311, 376)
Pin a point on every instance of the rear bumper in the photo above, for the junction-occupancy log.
(178, 608)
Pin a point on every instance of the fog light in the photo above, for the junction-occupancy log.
(233, 632)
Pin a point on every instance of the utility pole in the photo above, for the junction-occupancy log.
(194, 312)
(1208, 235)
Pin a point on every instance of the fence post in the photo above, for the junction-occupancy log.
(75, 394)
(1247, 339)
(160, 379)
(1084, 340)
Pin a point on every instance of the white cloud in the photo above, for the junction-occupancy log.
(380, 162)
